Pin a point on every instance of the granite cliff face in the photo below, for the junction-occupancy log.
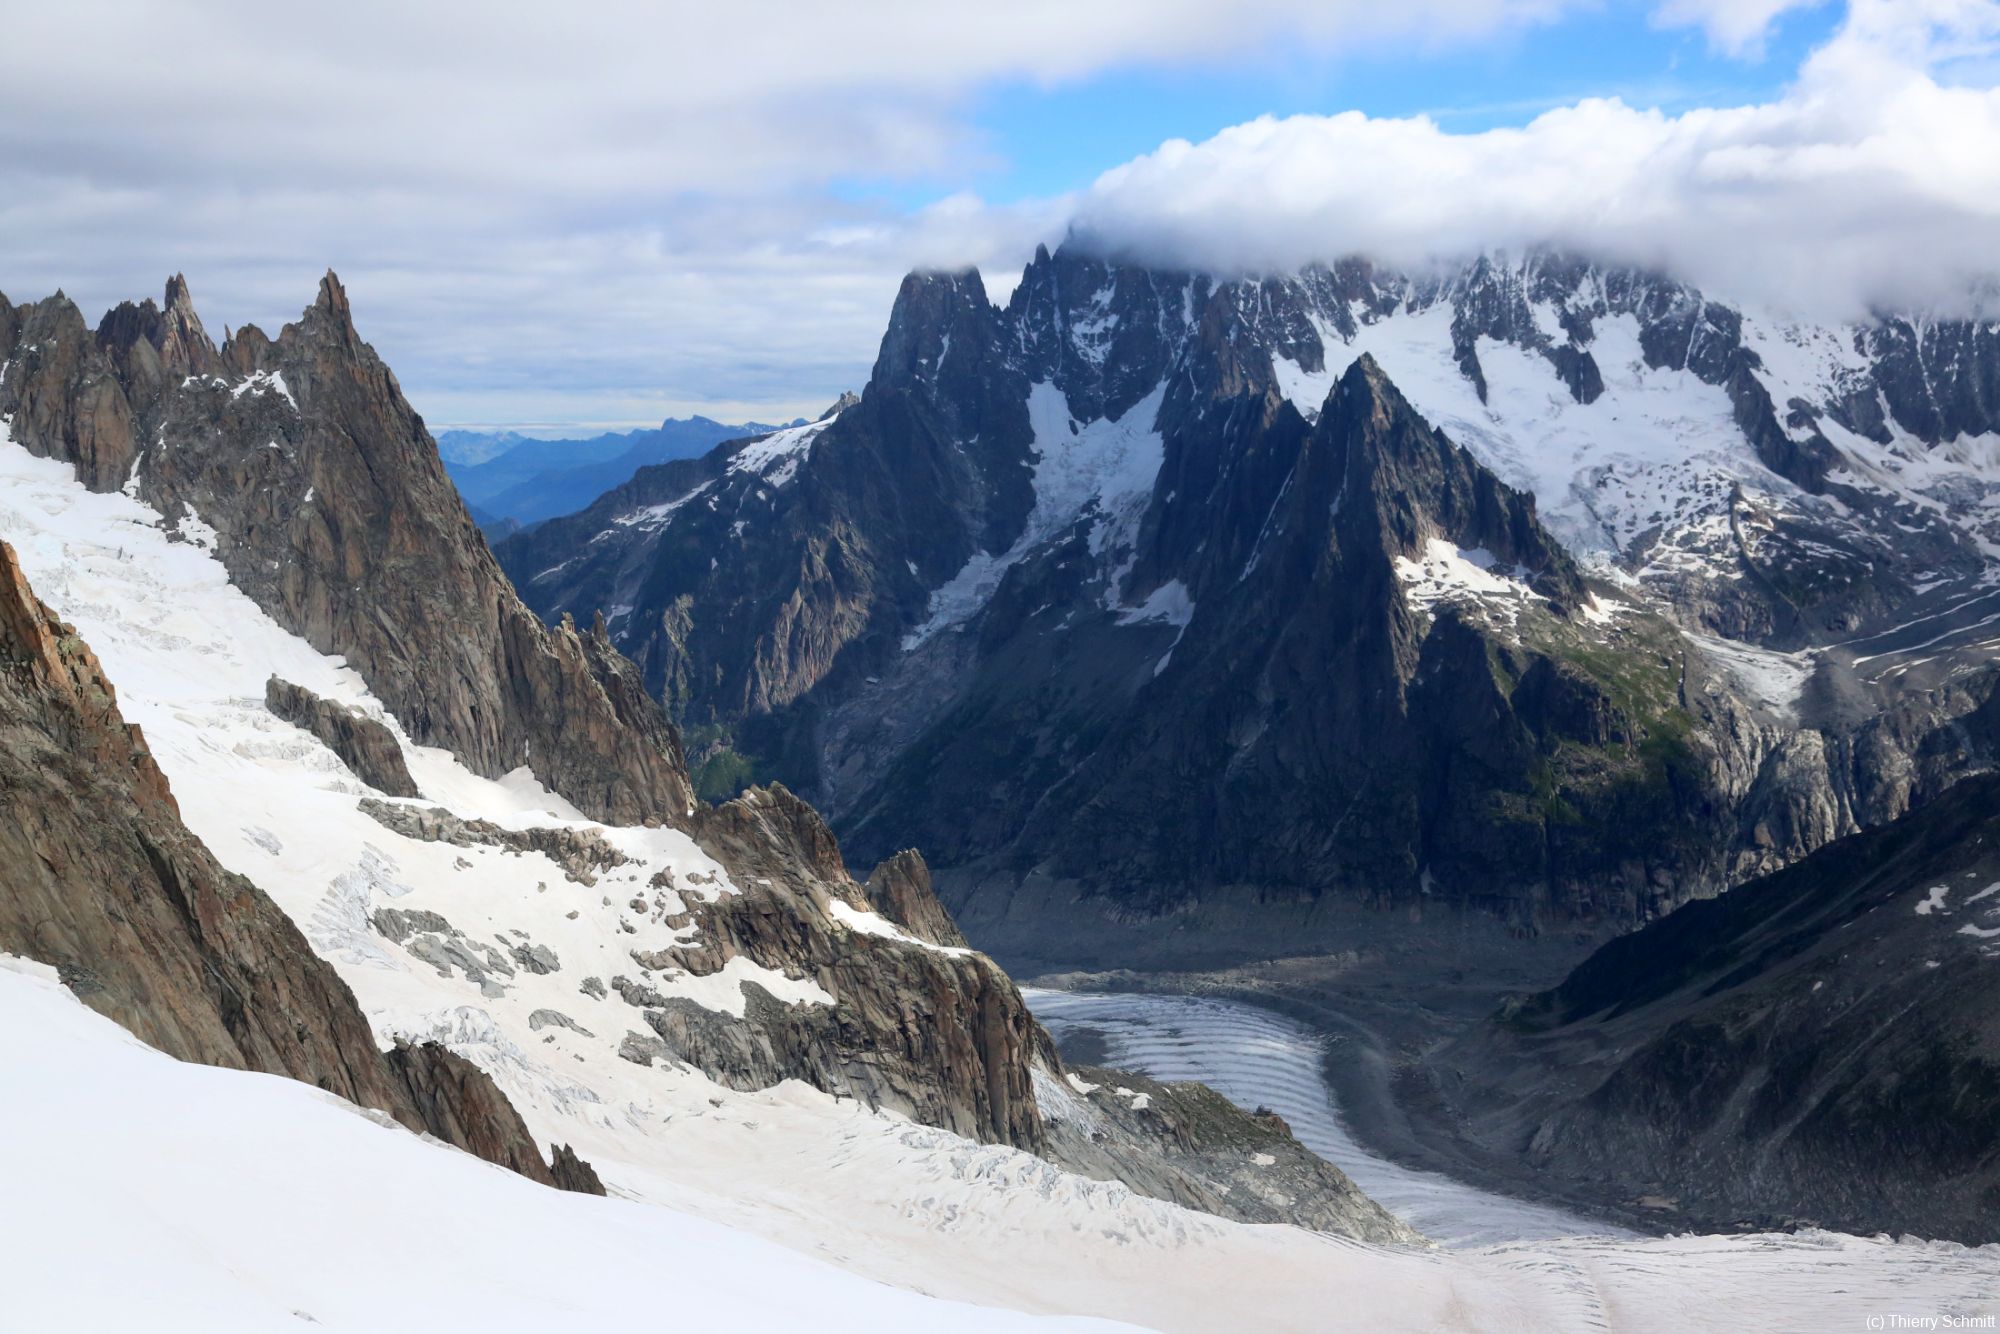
(1818, 1046)
(101, 879)
(1075, 597)
(940, 1034)
(301, 462)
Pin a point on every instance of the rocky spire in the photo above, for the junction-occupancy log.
(185, 347)
(1422, 485)
(154, 347)
(932, 311)
(333, 297)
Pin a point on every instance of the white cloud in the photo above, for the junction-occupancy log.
(1872, 180)
(1734, 27)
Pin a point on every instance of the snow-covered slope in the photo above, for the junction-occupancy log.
(225, 1201)
(873, 1192)
(1657, 448)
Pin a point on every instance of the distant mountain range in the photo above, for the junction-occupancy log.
(511, 481)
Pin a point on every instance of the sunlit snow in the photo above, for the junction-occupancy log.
(1101, 470)
(244, 1202)
(776, 457)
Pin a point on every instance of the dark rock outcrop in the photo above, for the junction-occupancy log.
(1189, 1144)
(582, 853)
(572, 1172)
(331, 509)
(99, 877)
(901, 889)
(460, 1104)
(363, 744)
(1819, 1046)
(943, 1037)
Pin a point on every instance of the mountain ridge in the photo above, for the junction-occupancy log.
(1814, 1047)
(104, 881)
(874, 566)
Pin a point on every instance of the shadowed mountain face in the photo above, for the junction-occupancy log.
(1527, 587)
(1822, 1045)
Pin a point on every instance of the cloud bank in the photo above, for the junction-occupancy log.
(544, 212)
(1874, 182)
(608, 215)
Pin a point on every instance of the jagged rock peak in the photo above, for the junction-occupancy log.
(333, 297)
(1427, 486)
(186, 346)
(847, 399)
(1365, 381)
(334, 514)
(933, 310)
(901, 890)
(964, 284)
(152, 343)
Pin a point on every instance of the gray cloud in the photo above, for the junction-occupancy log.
(544, 211)
(1737, 27)
(607, 217)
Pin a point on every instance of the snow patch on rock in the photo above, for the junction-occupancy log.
(1100, 471)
